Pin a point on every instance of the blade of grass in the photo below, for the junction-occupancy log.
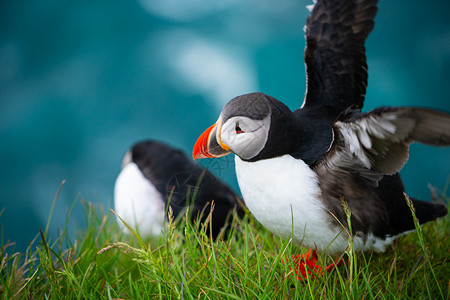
(53, 207)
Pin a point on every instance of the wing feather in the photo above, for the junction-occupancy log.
(380, 139)
(335, 54)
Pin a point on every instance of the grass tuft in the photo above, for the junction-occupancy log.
(185, 263)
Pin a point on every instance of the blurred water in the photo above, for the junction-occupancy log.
(81, 81)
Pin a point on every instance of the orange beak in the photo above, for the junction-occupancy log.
(207, 145)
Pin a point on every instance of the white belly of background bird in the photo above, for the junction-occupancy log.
(138, 202)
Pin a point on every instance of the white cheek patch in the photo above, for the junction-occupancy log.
(251, 141)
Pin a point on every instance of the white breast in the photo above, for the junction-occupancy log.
(282, 193)
(138, 202)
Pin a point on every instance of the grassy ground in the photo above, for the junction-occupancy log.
(252, 263)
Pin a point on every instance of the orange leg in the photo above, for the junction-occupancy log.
(307, 264)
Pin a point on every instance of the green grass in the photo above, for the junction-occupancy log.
(102, 263)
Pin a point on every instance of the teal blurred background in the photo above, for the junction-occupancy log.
(80, 81)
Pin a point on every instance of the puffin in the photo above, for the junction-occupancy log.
(156, 176)
(297, 169)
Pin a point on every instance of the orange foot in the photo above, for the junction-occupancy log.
(306, 265)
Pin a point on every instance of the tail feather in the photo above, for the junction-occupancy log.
(428, 211)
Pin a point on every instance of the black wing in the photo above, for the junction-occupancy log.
(336, 67)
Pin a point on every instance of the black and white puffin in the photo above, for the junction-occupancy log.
(297, 166)
(155, 176)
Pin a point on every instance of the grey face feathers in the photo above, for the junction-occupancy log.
(244, 136)
(245, 124)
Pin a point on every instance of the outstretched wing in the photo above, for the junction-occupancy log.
(336, 67)
(379, 140)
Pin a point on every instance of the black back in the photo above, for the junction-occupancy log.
(316, 134)
(184, 184)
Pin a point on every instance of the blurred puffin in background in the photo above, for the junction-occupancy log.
(155, 176)
(295, 168)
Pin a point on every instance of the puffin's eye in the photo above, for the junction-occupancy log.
(238, 129)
